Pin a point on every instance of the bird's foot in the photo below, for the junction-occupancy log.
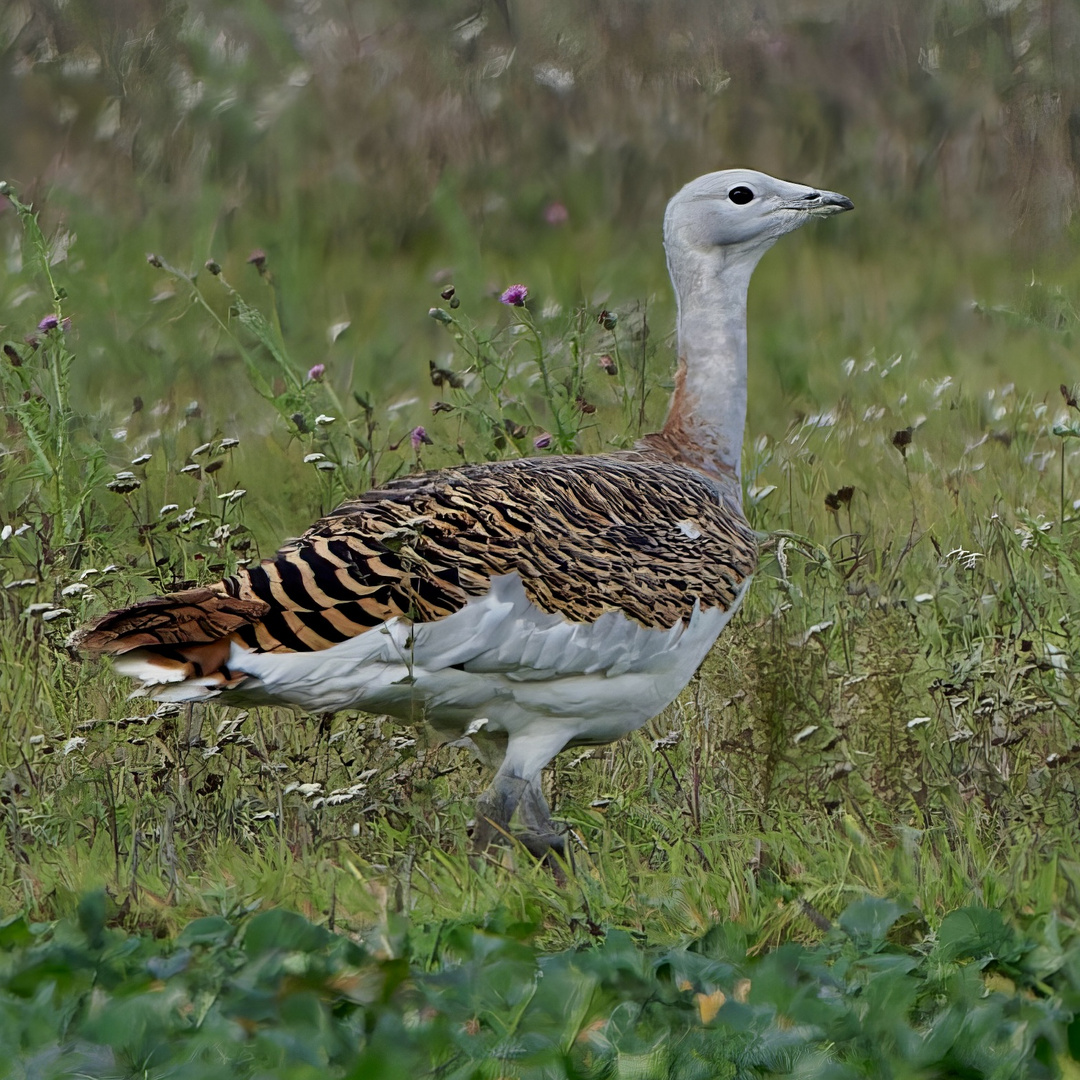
(547, 848)
(541, 844)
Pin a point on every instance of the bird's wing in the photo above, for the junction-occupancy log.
(632, 533)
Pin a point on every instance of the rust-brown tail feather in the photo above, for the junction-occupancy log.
(191, 617)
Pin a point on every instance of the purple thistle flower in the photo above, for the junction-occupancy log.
(419, 436)
(556, 213)
(515, 296)
(542, 441)
(316, 373)
(50, 322)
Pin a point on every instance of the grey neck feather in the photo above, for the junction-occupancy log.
(708, 409)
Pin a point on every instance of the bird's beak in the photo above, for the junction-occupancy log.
(822, 203)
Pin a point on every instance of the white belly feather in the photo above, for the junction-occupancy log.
(501, 659)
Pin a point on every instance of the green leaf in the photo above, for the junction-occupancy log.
(980, 934)
(211, 930)
(15, 932)
(868, 921)
(165, 967)
(270, 931)
(91, 913)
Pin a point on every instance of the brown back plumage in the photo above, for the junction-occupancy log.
(191, 617)
(634, 532)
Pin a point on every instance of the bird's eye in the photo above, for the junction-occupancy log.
(740, 195)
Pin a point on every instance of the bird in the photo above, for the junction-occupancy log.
(519, 607)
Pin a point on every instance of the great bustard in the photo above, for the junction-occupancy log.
(528, 605)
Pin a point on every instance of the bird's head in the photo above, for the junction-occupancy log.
(740, 208)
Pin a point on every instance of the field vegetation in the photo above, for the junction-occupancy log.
(252, 259)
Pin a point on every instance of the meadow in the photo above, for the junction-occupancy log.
(851, 848)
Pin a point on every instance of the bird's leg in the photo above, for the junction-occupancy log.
(496, 807)
(533, 809)
(518, 779)
(535, 815)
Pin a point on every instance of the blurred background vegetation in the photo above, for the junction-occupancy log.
(369, 147)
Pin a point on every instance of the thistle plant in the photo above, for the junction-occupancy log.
(48, 475)
(537, 402)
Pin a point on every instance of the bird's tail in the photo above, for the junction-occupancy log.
(178, 644)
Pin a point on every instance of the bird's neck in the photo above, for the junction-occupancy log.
(707, 415)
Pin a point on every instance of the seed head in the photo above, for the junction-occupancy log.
(123, 483)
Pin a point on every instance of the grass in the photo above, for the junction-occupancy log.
(893, 715)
